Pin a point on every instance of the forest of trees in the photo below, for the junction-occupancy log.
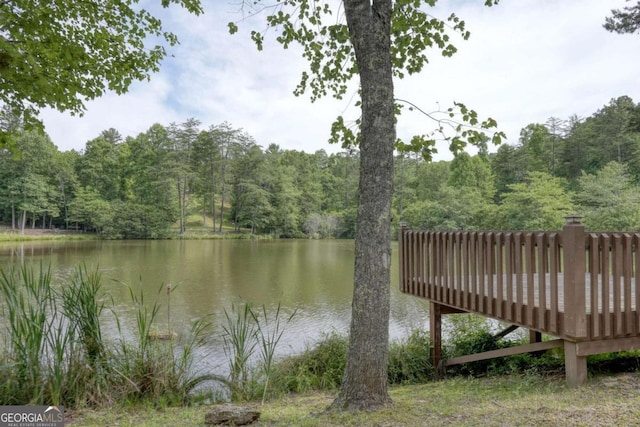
(157, 182)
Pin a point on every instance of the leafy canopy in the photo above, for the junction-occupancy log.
(609, 199)
(62, 53)
(539, 203)
(318, 28)
(625, 20)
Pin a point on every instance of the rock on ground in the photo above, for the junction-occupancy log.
(231, 415)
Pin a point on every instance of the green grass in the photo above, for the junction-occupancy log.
(495, 401)
(208, 235)
(191, 234)
(17, 237)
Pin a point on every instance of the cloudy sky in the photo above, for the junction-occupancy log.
(526, 61)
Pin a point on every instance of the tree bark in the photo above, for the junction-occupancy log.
(226, 146)
(23, 221)
(364, 385)
(213, 199)
(180, 208)
(185, 201)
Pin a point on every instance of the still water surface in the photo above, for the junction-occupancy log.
(312, 277)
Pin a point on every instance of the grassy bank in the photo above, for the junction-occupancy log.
(6, 236)
(46, 235)
(495, 401)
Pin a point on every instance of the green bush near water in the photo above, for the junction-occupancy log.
(410, 359)
(321, 366)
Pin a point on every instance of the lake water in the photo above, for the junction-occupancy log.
(312, 277)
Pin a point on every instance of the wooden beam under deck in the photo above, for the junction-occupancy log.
(510, 351)
(589, 348)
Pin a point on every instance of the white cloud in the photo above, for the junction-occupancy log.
(526, 60)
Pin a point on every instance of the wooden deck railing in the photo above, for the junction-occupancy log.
(570, 284)
(612, 284)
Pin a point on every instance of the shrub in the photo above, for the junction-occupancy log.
(318, 368)
(321, 367)
(410, 360)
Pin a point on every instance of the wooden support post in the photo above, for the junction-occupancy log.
(401, 256)
(435, 330)
(573, 251)
(575, 366)
(534, 336)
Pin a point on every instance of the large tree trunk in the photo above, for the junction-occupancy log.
(365, 380)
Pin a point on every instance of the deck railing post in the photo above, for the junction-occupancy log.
(573, 248)
(575, 317)
(401, 255)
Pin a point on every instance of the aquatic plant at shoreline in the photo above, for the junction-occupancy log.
(55, 353)
(239, 339)
(28, 300)
(246, 329)
(83, 308)
(270, 330)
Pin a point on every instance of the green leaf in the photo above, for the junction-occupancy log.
(89, 49)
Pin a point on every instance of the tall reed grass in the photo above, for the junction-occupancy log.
(247, 329)
(239, 343)
(28, 302)
(82, 305)
(54, 351)
(269, 332)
